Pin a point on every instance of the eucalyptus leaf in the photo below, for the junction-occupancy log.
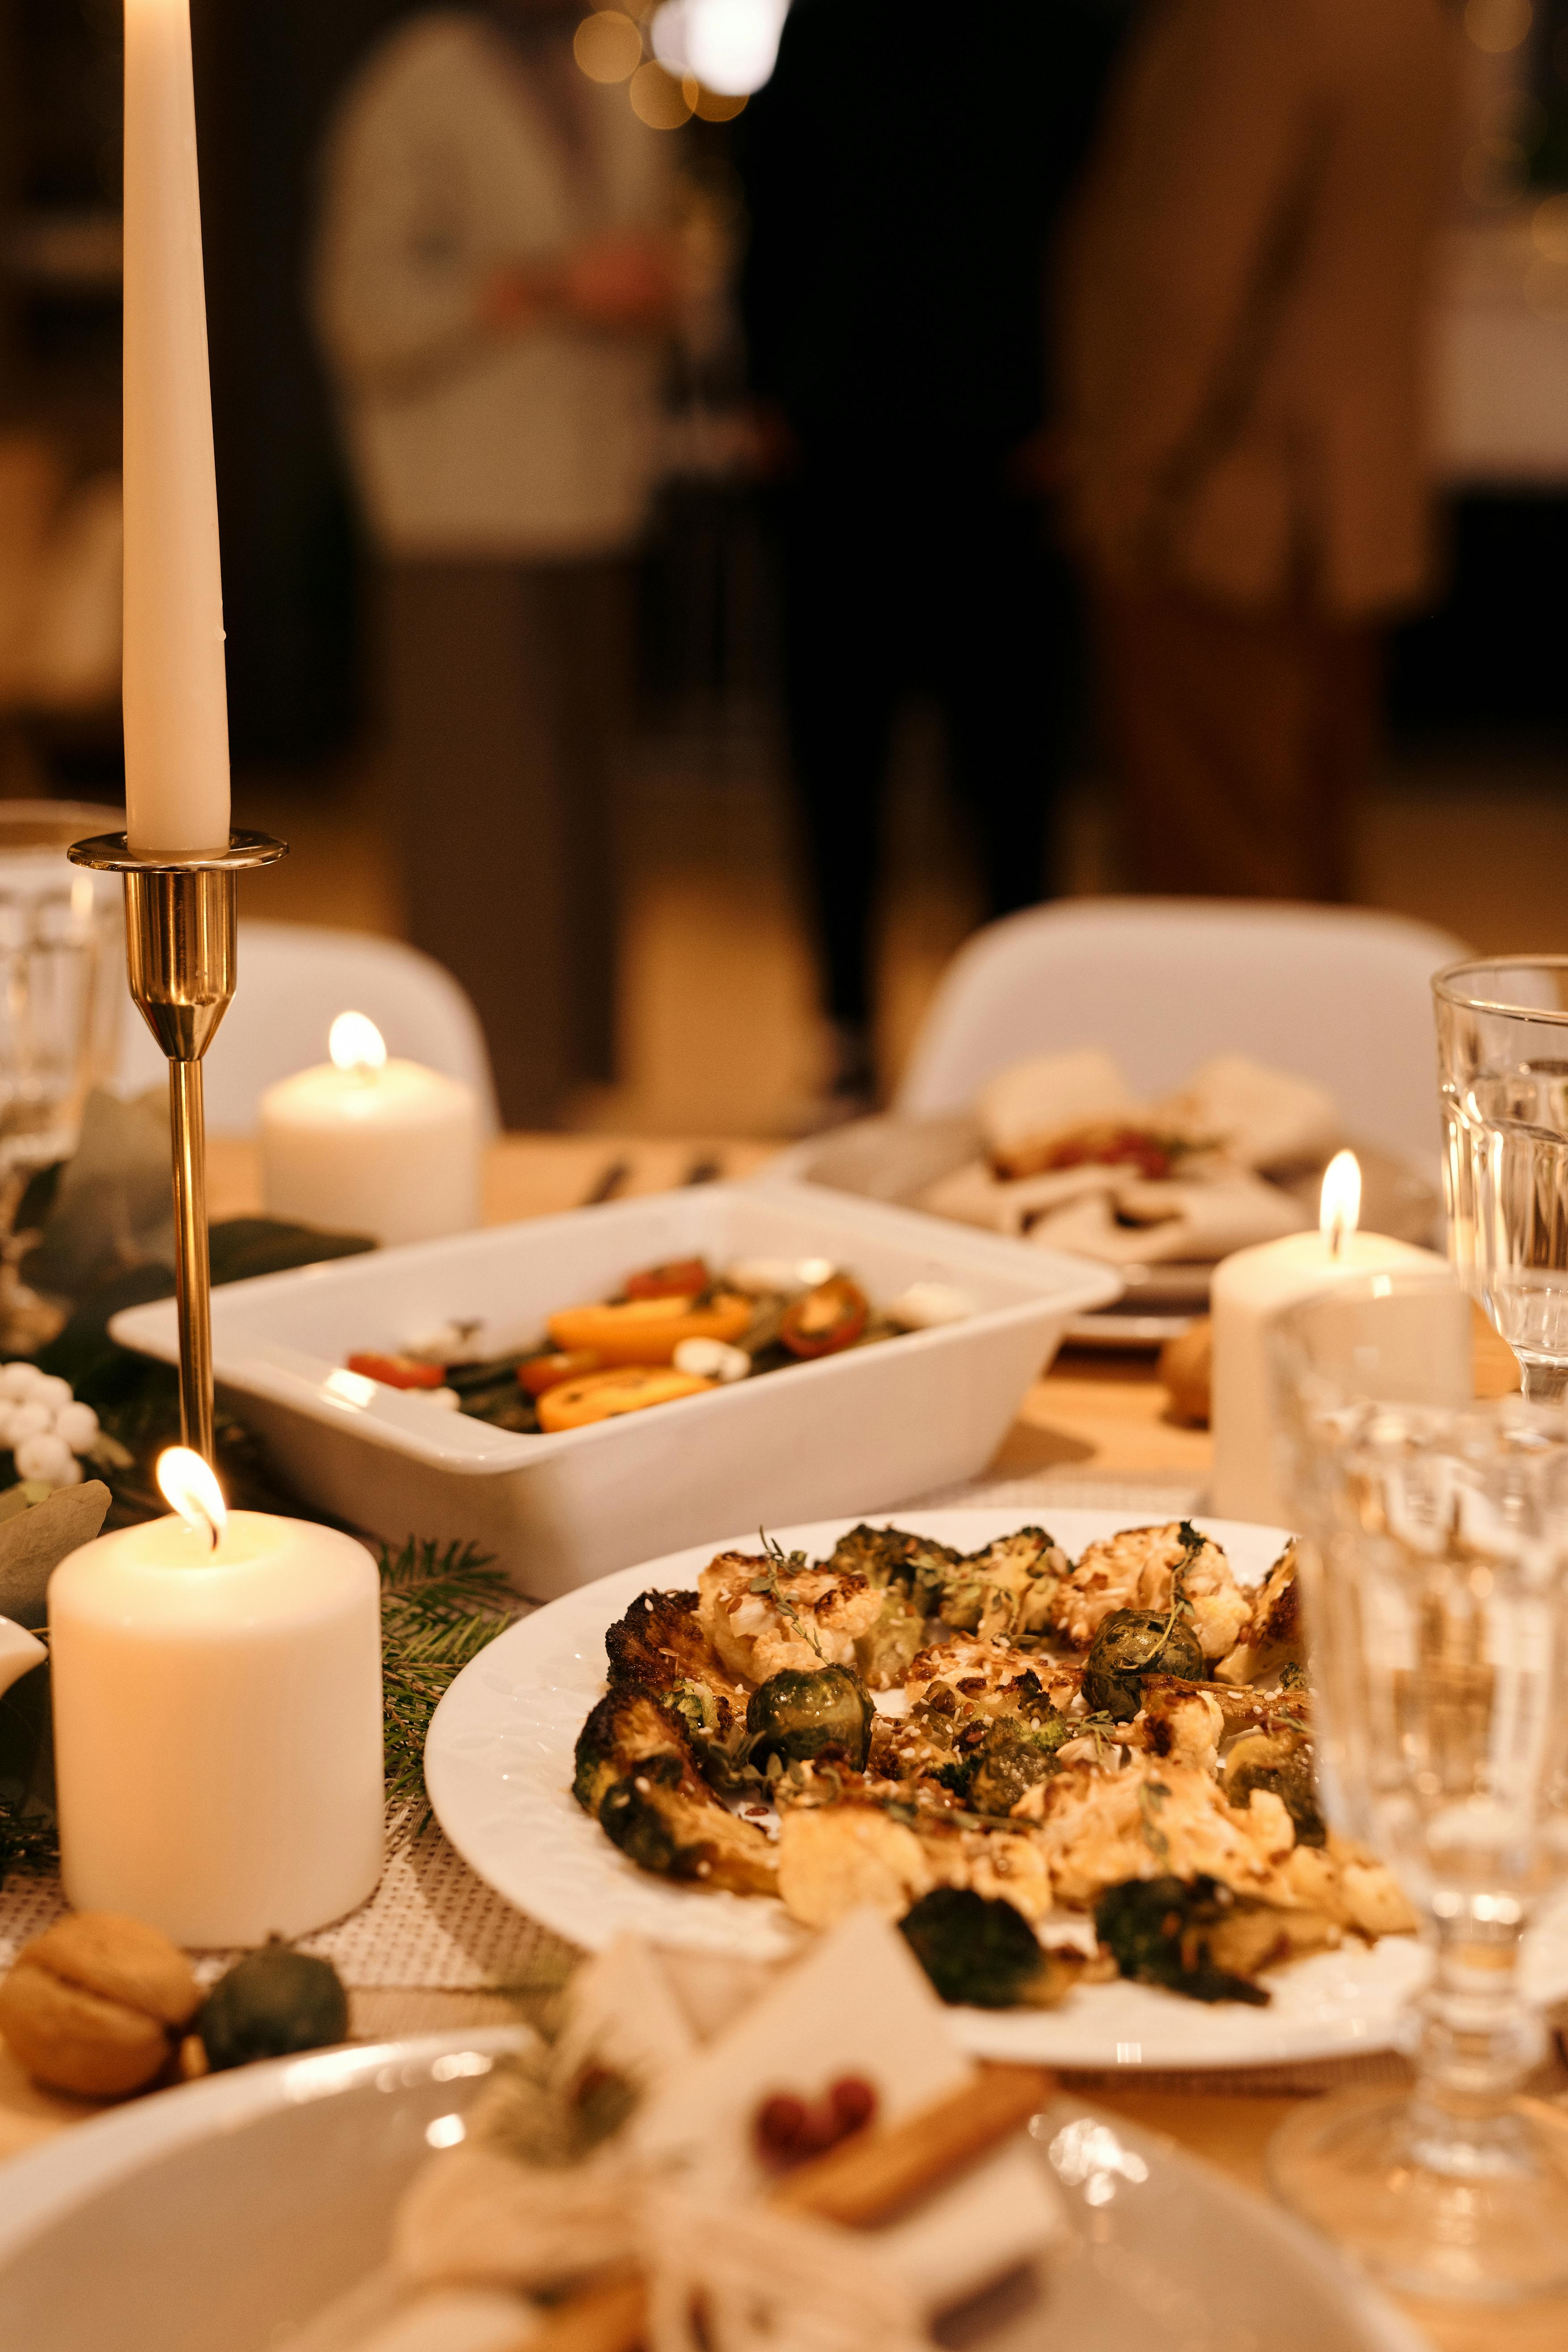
(34, 1539)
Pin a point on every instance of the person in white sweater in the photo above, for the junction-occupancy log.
(493, 283)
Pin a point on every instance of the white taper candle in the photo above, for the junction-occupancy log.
(176, 708)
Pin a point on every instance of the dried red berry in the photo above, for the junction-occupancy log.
(854, 2103)
(779, 2127)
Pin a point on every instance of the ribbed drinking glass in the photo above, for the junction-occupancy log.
(1435, 1578)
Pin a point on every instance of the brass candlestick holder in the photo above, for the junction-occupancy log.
(181, 918)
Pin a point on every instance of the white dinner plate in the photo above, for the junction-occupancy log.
(497, 1763)
(238, 2211)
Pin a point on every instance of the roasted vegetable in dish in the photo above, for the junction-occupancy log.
(799, 1717)
(1130, 1644)
(979, 1952)
(698, 1326)
(1050, 1742)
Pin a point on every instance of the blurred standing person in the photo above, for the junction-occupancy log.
(494, 279)
(904, 171)
(1244, 344)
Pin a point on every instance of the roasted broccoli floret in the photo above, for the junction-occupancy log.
(891, 1556)
(799, 1717)
(1007, 1588)
(995, 1769)
(660, 1643)
(977, 1949)
(1163, 1931)
(665, 1820)
(1280, 1761)
(623, 1731)
(637, 1771)
(886, 1653)
(1130, 1644)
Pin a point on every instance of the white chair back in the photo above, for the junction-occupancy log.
(294, 980)
(1336, 993)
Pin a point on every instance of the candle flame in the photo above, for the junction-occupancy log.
(355, 1043)
(190, 1489)
(1339, 1212)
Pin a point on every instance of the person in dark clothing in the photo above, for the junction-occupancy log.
(903, 192)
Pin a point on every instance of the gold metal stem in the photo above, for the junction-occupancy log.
(181, 930)
(192, 1272)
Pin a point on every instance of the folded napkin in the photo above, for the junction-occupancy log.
(1240, 1110)
(1142, 1223)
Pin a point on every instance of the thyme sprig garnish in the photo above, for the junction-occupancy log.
(768, 1582)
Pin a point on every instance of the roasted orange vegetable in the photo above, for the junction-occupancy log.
(398, 1372)
(831, 1316)
(681, 1277)
(537, 1374)
(600, 1396)
(648, 1330)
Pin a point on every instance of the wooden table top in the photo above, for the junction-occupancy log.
(1104, 1413)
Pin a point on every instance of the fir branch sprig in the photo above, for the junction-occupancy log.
(441, 1604)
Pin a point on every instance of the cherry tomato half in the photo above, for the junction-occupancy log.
(538, 1373)
(823, 1321)
(398, 1372)
(679, 1277)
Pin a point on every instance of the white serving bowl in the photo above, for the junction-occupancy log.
(234, 2214)
(872, 1426)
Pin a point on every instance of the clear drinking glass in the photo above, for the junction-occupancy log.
(1434, 1577)
(1502, 1044)
(61, 985)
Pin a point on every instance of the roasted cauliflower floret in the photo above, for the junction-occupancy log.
(1138, 1569)
(1185, 1724)
(763, 1613)
(1151, 1819)
(836, 1858)
(1271, 1638)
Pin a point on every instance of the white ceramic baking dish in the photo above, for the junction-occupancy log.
(868, 1428)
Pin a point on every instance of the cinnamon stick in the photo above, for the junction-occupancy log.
(869, 2179)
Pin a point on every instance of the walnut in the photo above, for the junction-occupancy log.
(93, 2005)
(1185, 1374)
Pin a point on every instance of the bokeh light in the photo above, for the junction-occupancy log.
(607, 45)
(659, 99)
(1497, 26)
(728, 47)
(1548, 229)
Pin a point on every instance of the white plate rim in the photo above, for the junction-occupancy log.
(1159, 2031)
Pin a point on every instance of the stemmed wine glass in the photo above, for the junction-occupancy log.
(61, 949)
(1435, 1578)
(1503, 1045)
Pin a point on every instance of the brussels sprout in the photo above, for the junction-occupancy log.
(665, 1820)
(271, 2004)
(1130, 1644)
(978, 1949)
(1280, 1761)
(1159, 1931)
(798, 1717)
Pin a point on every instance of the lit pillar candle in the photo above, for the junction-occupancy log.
(176, 708)
(364, 1145)
(216, 1685)
(1251, 1287)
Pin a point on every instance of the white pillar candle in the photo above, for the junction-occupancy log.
(217, 1720)
(365, 1145)
(1251, 1287)
(177, 708)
